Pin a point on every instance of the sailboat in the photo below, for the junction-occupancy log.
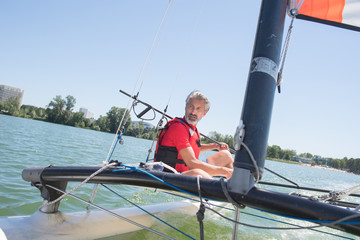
(241, 189)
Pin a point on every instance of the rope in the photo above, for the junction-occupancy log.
(254, 215)
(284, 53)
(322, 222)
(186, 51)
(144, 210)
(138, 79)
(156, 132)
(107, 165)
(257, 178)
(337, 195)
(153, 43)
(119, 140)
(239, 141)
(151, 175)
(260, 227)
(112, 213)
(200, 214)
(227, 195)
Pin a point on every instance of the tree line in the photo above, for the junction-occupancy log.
(60, 110)
(349, 165)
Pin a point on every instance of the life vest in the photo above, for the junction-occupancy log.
(169, 154)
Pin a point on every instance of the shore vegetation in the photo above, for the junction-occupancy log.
(61, 111)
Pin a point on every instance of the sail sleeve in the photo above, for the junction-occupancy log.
(340, 13)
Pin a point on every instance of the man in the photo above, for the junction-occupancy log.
(179, 144)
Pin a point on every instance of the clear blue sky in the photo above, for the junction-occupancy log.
(91, 49)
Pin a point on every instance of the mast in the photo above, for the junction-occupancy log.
(259, 96)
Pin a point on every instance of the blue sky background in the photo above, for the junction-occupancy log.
(90, 49)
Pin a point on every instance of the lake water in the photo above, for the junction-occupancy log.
(25, 143)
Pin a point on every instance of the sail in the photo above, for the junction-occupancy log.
(340, 13)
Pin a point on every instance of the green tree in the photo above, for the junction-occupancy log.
(70, 103)
(287, 154)
(335, 163)
(88, 123)
(136, 129)
(228, 139)
(55, 109)
(76, 119)
(114, 117)
(2, 107)
(11, 106)
(274, 151)
(150, 135)
(41, 113)
(29, 111)
(306, 155)
(59, 110)
(103, 123)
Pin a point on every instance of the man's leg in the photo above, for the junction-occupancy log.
(222, 158)
(195, 172)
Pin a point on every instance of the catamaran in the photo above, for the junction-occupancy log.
(241, 190)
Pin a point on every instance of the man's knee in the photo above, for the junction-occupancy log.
(222, 158)
(225, 155)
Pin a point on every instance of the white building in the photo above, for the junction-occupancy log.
(301, 159)
(7, 92)
(87, 113)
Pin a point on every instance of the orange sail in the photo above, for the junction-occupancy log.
(341, 13)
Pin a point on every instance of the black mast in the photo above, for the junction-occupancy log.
(259, 96)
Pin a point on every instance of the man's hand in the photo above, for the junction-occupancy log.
(223, 146)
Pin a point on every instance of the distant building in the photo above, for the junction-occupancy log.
(301, 159)
(146, 124)
(86, 112)
(7, 92)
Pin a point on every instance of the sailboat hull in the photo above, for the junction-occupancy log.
(86, 224)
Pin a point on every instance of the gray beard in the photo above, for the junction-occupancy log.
(192, 122)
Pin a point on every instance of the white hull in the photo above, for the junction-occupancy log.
(84, 225)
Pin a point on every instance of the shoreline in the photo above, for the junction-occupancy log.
(309, 165)
(325, 168)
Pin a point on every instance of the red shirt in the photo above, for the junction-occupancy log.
(181, 135)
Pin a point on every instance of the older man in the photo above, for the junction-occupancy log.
(179, 144)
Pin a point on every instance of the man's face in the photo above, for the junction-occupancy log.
(194, 111)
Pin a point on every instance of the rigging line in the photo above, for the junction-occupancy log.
(253, 161)
(200, 213)
(138, 79)
(144, 210)
(282, 177)
(107, 165)
(261, 227)
(112, 213)
(113, 145)
(181, 64)
(228, 197)
(203, 135)
(156, 133)
(153, 44)
(298, 6)
(160, 180)
(258, 216)
(284, 52)
(300, 187)
(357, 208)
(337, 195)
(325, 223)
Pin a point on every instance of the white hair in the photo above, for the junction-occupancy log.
(196, 94)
